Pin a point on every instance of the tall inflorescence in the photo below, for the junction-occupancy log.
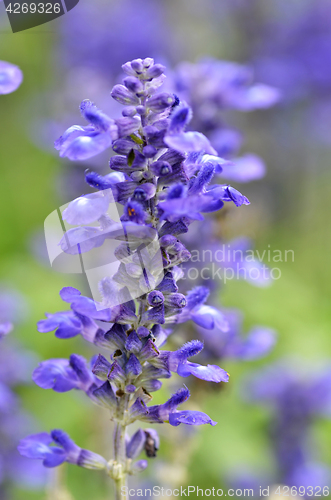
(162, 177)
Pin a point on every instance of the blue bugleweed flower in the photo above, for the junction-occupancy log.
(164, 177)
(11, 77)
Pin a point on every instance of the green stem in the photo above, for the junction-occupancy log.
(119, 470)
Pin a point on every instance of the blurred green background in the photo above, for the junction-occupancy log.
(297, 305)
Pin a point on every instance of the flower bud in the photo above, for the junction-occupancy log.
(149, 151)
(129, 111)
(144, 192)
(127, 125)
(118, 163)
(122, 95)
(154, 71)
(155, 298)
(133, 343)
(160, 102)
(175, 300)
(139, 466)
(123, 146)
(104, 396)
(133, 367)
(137, 66)
(161, 168)
(141, 110)
(130, 389)
(133, 84)
(152, 385)
(143, 332)
(148, 62)
(101, 367)
(168, 241)
(116, 373)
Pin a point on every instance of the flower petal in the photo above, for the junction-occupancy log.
(190, 418)
(211, 373)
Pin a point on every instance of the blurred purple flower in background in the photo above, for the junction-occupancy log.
(118, 31)
(212, 87)
(11, 77)
(297, 398)
(16, 365)
(293, 49)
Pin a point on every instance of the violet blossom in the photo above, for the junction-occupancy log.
(167, 181)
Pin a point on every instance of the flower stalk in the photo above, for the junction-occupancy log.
(162, 175)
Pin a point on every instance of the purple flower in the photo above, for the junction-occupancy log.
(11, 77)
(246, 168)
(205, 316)
(81, 143)
(63, 375)
(86, 209)
(66, 324)
(87, 307)
(56, 374)
(228, 193)
(229, 86)
(190, 207)
(55, 448)
(165, 182)
(38, 446)
(189, 141)
(178, 361)
(258, 342)
(102, 182)
(186, 142)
